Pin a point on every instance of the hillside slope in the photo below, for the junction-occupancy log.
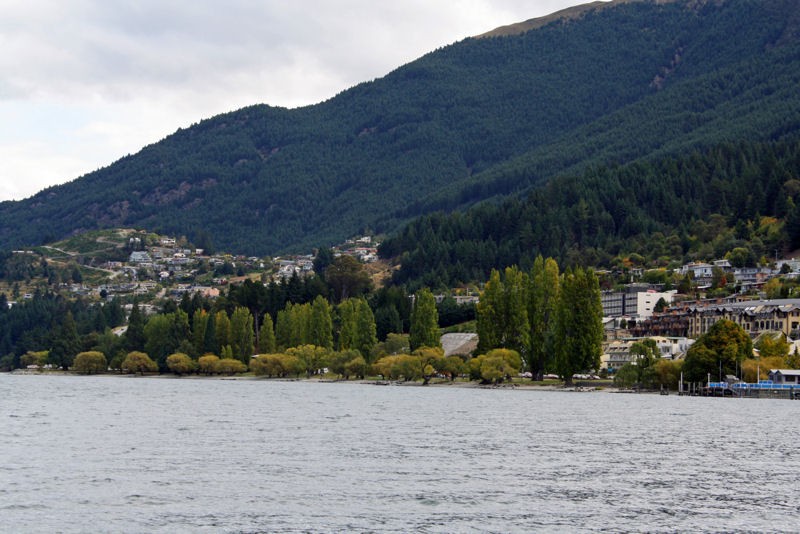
(482, 118)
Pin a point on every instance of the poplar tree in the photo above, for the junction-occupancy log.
(579, 327)
(299, 320)
(283, 327)
(266, 336)
(542, 307)
(242, 334)
(503, 312)
(199, 328)
(348, 323)
(366, 330)
(222, 325)
(488, 312)
(424, 321)
(320, 325)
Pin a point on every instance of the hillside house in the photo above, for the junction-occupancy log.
(140, 258)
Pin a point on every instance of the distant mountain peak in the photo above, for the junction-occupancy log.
(570, 13)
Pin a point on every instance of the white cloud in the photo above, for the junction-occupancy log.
(86, 82)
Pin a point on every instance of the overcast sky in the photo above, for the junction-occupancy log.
(85, 82)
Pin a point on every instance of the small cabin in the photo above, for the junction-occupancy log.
(785, 376)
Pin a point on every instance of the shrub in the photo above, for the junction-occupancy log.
(138, 362)
(180, 363)
(89, 363)
(231, 366)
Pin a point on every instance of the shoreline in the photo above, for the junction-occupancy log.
(323, 380)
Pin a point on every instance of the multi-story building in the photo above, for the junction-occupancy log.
(636, 300)
(754, 316)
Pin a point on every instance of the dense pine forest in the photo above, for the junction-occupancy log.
(736, 198)
(483, 119)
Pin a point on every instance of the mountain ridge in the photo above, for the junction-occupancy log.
(480, 119)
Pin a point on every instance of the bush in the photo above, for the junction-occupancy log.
(495, 366)
(138, 362)
(280, 365)
(89, 363)
(180, 363)
(208, 364)
(231, 366)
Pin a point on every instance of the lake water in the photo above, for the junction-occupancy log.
(122, 454)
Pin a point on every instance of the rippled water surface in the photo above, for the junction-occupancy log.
(120, 454)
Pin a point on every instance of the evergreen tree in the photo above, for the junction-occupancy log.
(424, 321)
(66, 343)
(134, 335)
(387, 321)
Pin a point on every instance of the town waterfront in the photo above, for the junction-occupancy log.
(125, 454)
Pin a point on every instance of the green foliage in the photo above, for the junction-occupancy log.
(503, 312)
(579, 326)
(181, 364)
(542, 311)
(37, 358)
(164, 334)
(677, 207)
(208, 364)
(347, 277)
(772, 345)
(311, 357)
(266, 336)
(451, 366)
(242, 335)
(230, 366)
(320, 327)
(627, 376)
(495, 366)
(424, 321)
(395, 344)
(65, 344)
(718, 352)
(138, 362)
(276, 365)
(455, 127)
(347, 363)
(403, 366)
(90, 363)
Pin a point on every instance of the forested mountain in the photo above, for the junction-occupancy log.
(736, 199)
(478, 120)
